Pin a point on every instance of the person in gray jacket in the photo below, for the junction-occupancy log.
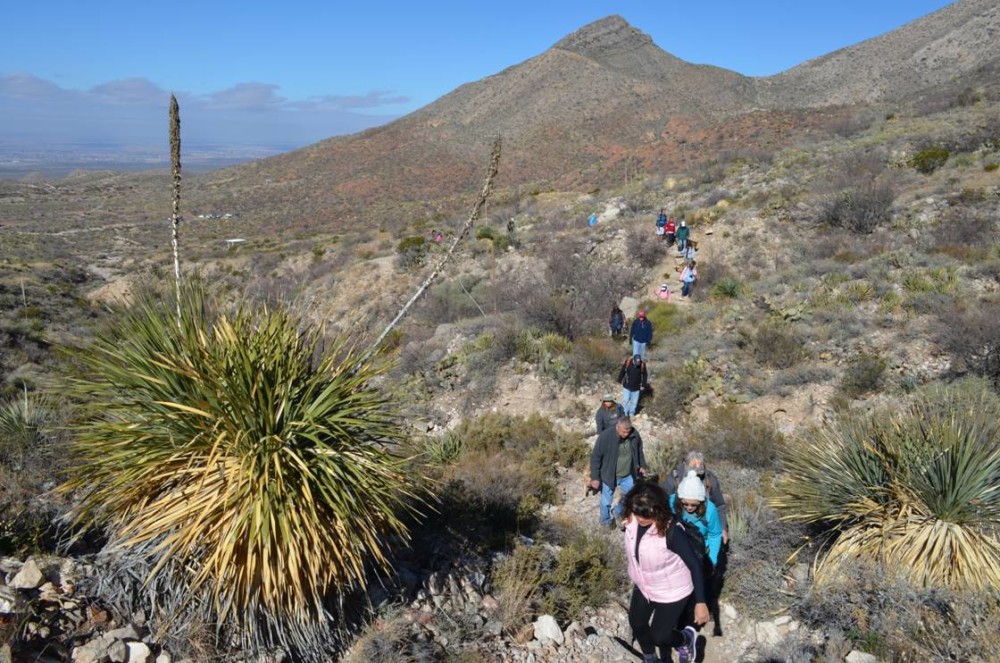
(695, 461)
(607, 414)
(616, 461)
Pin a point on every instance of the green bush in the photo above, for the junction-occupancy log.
(729, 287)
(411, 251)
(860, 209)
(912, 488)
(863, 375)
(927, 160)
(731, 433)
(774, 343)
(585, 571)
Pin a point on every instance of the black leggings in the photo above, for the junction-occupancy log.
(656, 624)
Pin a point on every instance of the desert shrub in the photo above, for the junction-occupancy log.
(667, 319)
(388, 639)
(774, 343)
(731, 433)
(863, 375)
(585, 570)
(457, 298)
(533, 438)
(929, 159)
(673, 390)
(595, 358)
(860, 209)
(518, 582)
(25, 428)
(729, 287)
(644, 248)
(225, 451)
(800, 375)
(972, 336)
(574, 294)
(881, 612)
(912, 487)
(411, 251)
(969, 227)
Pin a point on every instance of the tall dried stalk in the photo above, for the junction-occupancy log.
(476, 211)
(175, 217)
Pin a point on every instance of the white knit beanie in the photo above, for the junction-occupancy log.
(691, 488)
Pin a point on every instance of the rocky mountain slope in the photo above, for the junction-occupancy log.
(603, 102)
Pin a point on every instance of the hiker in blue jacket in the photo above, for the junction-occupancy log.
(641, 334)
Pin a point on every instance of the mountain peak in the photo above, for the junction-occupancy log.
(611, 33)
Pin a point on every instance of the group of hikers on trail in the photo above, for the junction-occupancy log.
(675, 539)
(675, 533)
(687, 249)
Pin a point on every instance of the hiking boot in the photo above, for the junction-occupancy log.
(688, 652)
(717, 630)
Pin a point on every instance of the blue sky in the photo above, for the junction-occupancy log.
(286, 74)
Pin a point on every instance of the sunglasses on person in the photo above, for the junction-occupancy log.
(690, 505)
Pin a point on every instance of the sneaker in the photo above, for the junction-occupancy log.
(688, 652)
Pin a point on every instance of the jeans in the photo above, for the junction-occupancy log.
(686, 289)
(639, 349)
(607, 492)
(681, 245)
(630, 401)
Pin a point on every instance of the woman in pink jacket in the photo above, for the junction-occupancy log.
(667, 575)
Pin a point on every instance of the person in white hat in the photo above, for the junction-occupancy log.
(690, 506)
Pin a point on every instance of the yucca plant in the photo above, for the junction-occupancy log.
(238, 451)
(23, 423)
(916, 489)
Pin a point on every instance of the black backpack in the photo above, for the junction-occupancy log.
(695, 538)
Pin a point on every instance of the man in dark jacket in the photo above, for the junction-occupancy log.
(615, 462)
(607, 414)
(683, 233)
(632, 378)
(641, 334)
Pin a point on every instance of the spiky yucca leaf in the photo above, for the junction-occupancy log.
(916, 489)
(238, 446)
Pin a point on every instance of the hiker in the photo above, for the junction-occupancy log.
(667, 578)
(641, 334)
(689, 504)
(661, 223)
(683, 233)
(617, 321)
(663, 292)
(632, 378)
(608, 413)
(690, 251)
(688, 277)
(695, 462)
(615, 462)
(670, 232)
